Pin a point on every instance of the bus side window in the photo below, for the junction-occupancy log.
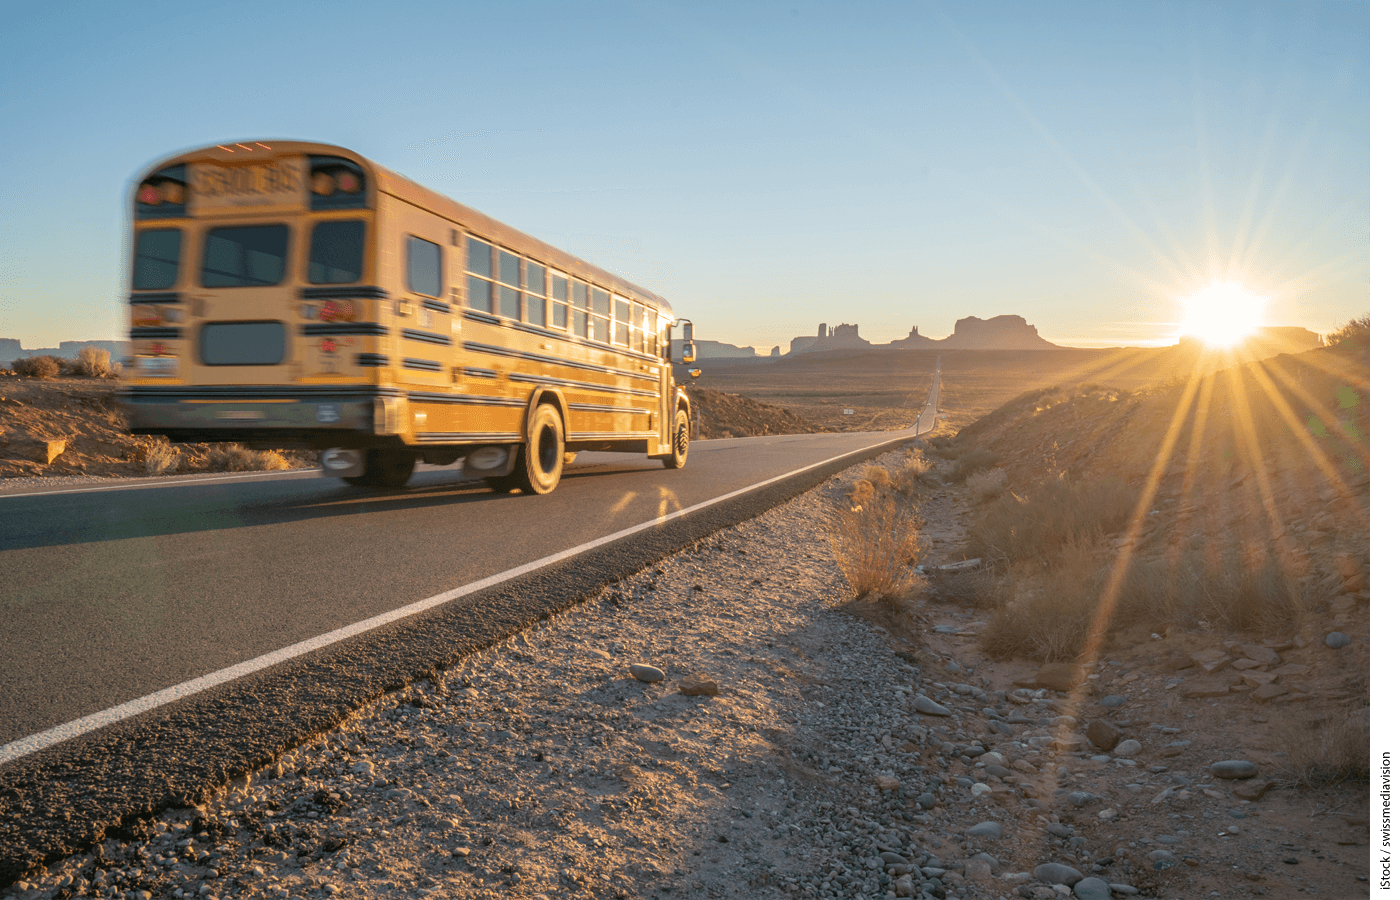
(599, 303)
(558, 301)
(478, 275)
(579, 301)
(424, 267)
(508, 293)
(622, 314)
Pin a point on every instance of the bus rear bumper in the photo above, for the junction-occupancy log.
(283, 418)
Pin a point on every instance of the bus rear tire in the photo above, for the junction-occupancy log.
(540, 463)
(385, 469)
(680, 445)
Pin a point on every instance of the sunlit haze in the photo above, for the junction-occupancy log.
(765, 167)
(1222, 314)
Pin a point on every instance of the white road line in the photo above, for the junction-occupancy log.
(44, 739)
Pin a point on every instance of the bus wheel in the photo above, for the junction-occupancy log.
(385, 469)
(540, 463)
(680, 447)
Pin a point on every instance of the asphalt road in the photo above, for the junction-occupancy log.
(145, 628)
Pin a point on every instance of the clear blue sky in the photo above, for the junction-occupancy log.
(765, 166)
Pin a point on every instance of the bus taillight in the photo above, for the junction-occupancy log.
(162, 195)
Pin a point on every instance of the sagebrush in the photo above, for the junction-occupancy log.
(876, 543)
(1048, 516)
(37, 366)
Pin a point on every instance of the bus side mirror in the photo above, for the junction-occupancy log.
(694, 374)
(687, 352)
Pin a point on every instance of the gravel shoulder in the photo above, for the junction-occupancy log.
(784, 753)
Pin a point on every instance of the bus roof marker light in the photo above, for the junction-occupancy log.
(262, 145)
(243, 147)
(225, 149)
(322, 184)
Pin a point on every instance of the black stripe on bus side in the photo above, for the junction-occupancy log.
(437, 305)
(371, 359)
(610, 435)
(457, 437)
(590, 407)
(320, 328)
(581, 385)
(163, 297)
(168, 334)
(423, 365)
(558, 361)
(469, 399)
(478, 373)
(425, 337)
(348, 292)
(483, 318)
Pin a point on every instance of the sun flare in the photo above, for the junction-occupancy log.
(1222, 314)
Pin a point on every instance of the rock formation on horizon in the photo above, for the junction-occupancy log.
(11, 350)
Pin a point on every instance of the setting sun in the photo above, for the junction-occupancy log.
(1222, 314)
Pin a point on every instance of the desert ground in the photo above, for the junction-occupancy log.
(1101, 635)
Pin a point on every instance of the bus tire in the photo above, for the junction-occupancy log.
(680, 445)
(540, 463)
(385, 469)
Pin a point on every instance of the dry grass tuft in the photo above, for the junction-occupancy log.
(1354, 335)
(988, 485)
(37, 366)
(1331, 751)
(1049, 617)
(1226, 589)
(879, 476)
(161, 459)
(914, 468)
(238, 458)
(970, 463)
(876, 543)
(1049, 516)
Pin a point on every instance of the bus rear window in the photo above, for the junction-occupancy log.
(157, 259)
(245, 256)
(337, 252)
(242, 343)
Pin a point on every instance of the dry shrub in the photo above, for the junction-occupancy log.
(875, 544)
(1049, 516)
(238, 458)
(969, 463)
(1227, 588)
(879, 476)
(1051, 618)
(1354, 335)
(38, 366)
(911, 470)
(161, 459)
(1329, 751)
(862, 492)
(987, 485)
(95, 363)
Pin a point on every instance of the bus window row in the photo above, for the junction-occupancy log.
(511, 286)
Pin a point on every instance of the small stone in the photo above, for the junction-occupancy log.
(1268, 692)
(1059, 830)
(1162, 856)
(1123, 889)
(699, 687)
(1291, 670)
(886, 783)
(979, 789)
(1092, 889)
(1255, 679)
(363, 767)
(1063, 677)
(1210, 660)
(1205, 687)
(1337, 640)
(1113, 700)
(984, 829)
(1057, 873)
(1128, 749)
(1081, 798)
(1265, 655)
(1252, 790)
(929, 708)
(1238, 814)
(648, 674)
(461, 851)
(926, 801)
(1234, 768)
(977, 870)
(1104, 735)
(1246, 663)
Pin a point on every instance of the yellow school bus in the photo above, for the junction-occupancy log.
(292, 294)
